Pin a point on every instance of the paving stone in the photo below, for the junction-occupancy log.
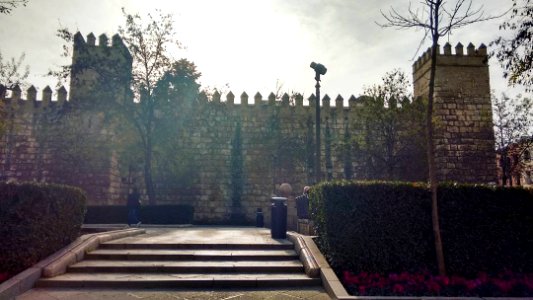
(315, 293)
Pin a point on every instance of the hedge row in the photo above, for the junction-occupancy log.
(386, 227)
(156, 214)
(36, 220)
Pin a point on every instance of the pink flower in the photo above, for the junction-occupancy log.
(483, 277)
(362, 290)
(398, 288)
(433, 286)
(444, 280)
(393, 277)
(504, 286)
(470, 284)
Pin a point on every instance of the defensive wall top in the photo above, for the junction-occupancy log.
(216, 97)
(103, 43)
(31, 95)
(103, 40)
(447, 56)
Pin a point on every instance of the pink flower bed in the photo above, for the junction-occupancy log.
(3, 277)
(417, 284)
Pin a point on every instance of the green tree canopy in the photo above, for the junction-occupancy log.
(516, 53)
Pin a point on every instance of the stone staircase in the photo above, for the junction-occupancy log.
(126, 264)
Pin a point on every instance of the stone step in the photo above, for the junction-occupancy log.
(192, 280)
(170, 246)
(191, 255)
(204, 267)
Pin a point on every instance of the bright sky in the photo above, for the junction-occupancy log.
(249, 45)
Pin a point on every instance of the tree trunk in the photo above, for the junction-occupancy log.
(150, 192)
(433, 181)
(148, 178)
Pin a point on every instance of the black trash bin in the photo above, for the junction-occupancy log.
(278, 225)
(259, 219)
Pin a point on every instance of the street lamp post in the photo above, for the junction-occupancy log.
(319, 70)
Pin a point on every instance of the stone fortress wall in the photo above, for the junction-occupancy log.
(276, 135)
(464, 136)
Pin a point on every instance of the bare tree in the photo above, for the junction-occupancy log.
(437, 18)
(8, 5)
(12, 73)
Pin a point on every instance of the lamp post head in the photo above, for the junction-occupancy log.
(319, 68)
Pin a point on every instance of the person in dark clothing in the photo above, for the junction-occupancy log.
(133, 207)
(302, 204)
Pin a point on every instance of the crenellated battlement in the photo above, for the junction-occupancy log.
(103, 41)
(272, 100)
(30, 97)
(472, 56)
(277, 132)
(48, 97)
(91, 59)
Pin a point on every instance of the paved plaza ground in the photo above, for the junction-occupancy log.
(315, 293)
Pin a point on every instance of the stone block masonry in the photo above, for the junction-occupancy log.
(69, 142)
(51, 140)
(59, 141)
(464, 137)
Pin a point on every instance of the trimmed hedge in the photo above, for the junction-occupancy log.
(36, 220)
(486, 229)
(385, 227)
(373, 227)
(148, 214)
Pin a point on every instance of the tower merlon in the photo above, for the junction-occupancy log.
(103, 40)
(447, 49)
(230, 98)
(352, 101)
(47, 95)
(326, 101)
(459, 49)
(244, 98)
(299, 100)
(91, 39)
(448, 57)
(32, 93)
(17, 93)
(471, 49)
(78, 39)
(258, 98)
(216, 97)
(271, 99)
(62, 94)
(312, 100)
(339, 101)
(285, 99)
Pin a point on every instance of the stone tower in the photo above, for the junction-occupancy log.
(99, 71)
(101, 74)
(464, 137)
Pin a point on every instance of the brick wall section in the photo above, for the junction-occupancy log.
(268, 126)
(39, 146)
(464, 137)
(35, 149)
